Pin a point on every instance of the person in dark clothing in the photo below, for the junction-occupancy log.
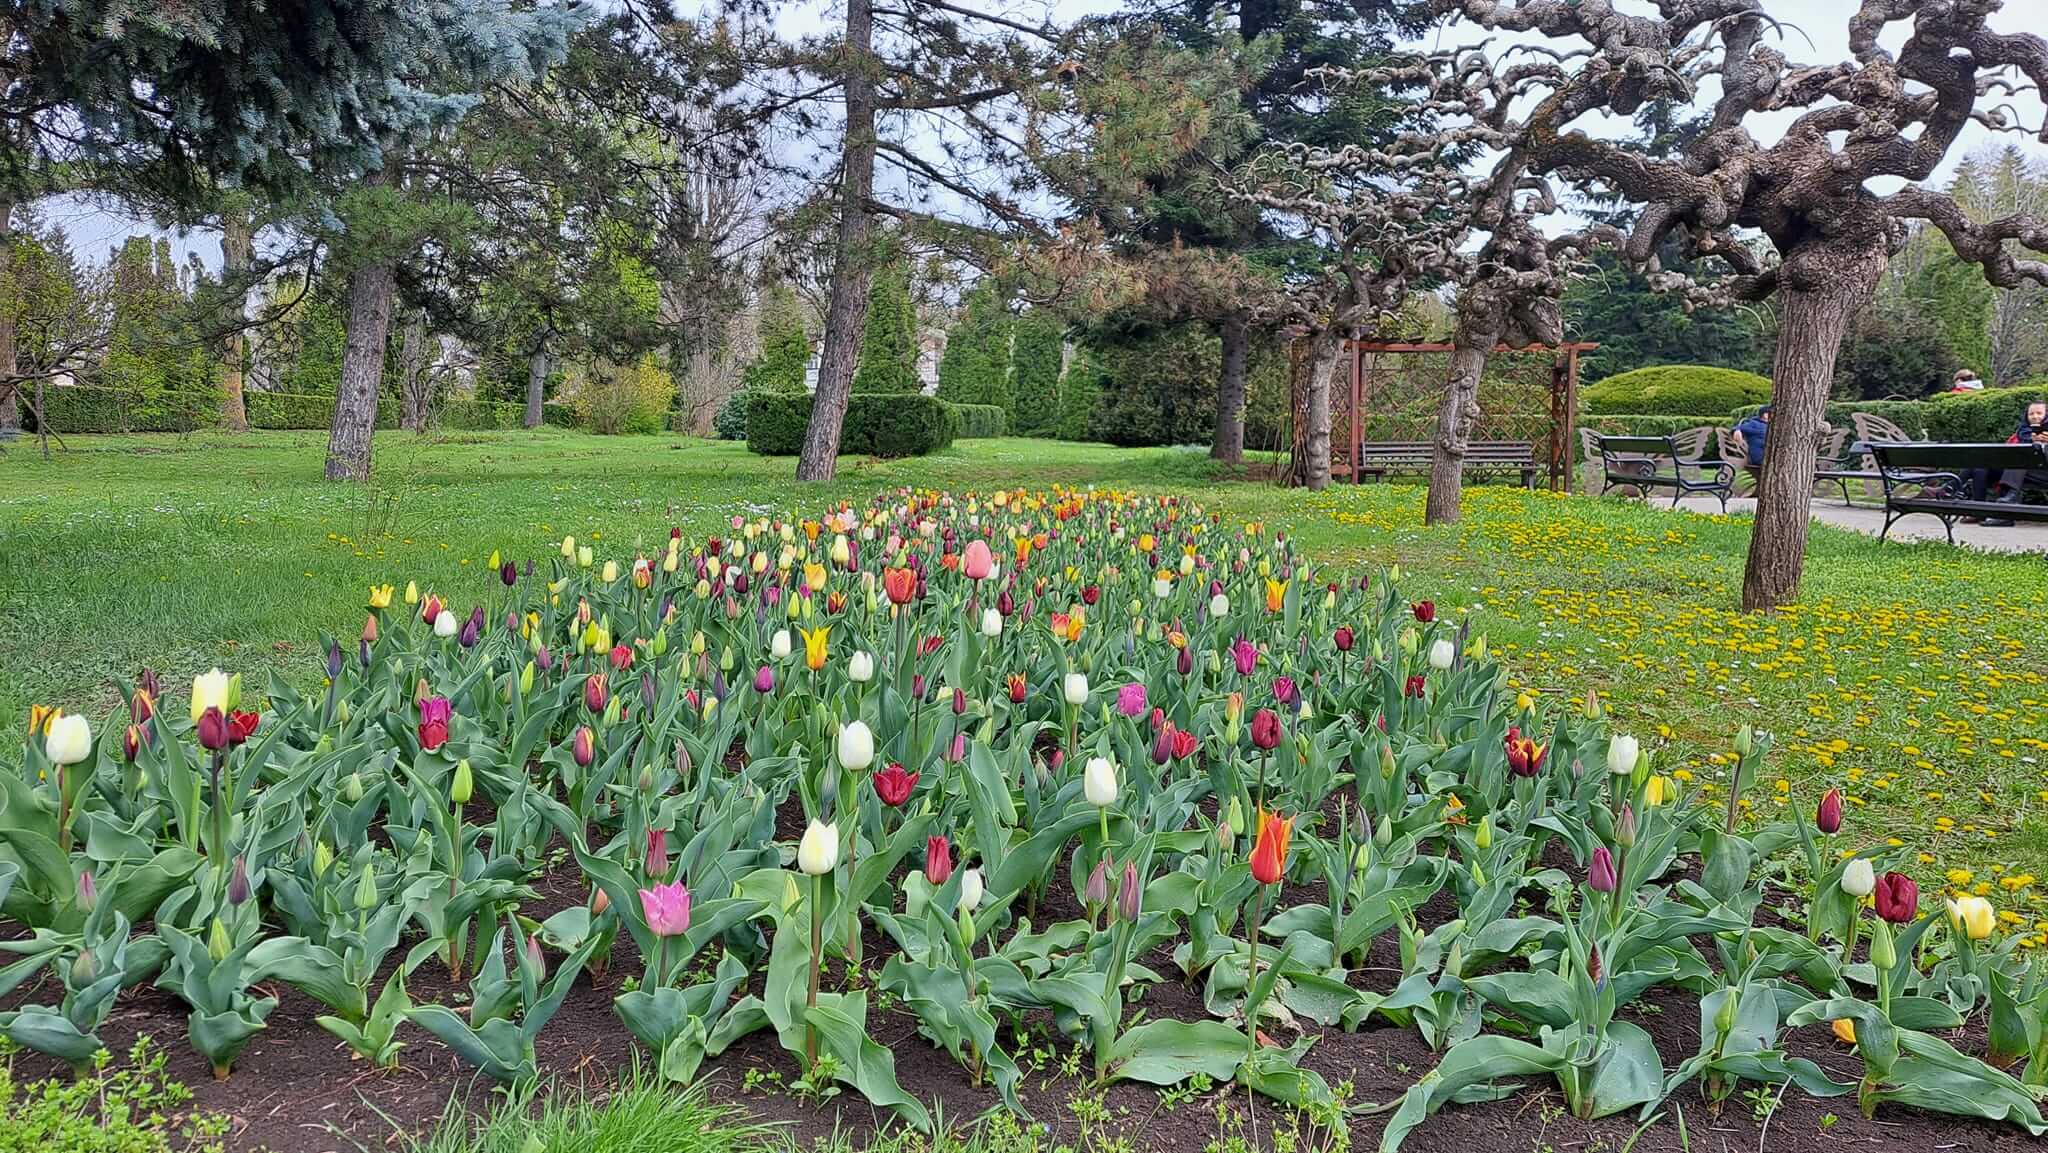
(1751, 434)
(2011, 484)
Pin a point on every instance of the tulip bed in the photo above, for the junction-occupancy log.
(1008, 766)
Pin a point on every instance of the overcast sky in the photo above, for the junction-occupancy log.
(1815, 32)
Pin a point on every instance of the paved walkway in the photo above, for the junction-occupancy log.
(2023, 537)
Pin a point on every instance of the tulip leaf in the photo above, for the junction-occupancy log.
(841, 1022)
(1536, 996)
(1478, 1063)
(1167, 1052)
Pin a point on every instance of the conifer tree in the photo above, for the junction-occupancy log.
(888, 355)
(976, 366)
(1035, 381)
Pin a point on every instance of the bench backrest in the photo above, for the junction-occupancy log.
(1871, 428)
(1921, 456)
(1482, 449)
(1639, 446)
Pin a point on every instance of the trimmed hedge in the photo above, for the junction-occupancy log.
(1910, 415)
(1641, 424)
(1677, 390)
(979, 421)
(1990, 415)
(84, 408)
(877, 424)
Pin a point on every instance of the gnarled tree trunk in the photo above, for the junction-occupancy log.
(1310, 468)
(1229, 444)
(370, 289)
(1476, 335)
(1823, 289)
(846, 315)
(236, 241)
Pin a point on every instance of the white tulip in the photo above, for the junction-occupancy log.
(970, 890)
(1075, 687)
(1621, 755)
(1098, 782)
(1219, 605)
(991, 623)
(1858, 878)
(610, 571)
(860, 668)
(210, 691)
(856, 746)
(1162, 588)
(818, 852)
(445, 625)
(568, 548)
(778, 645)
(1441, 654)
(584, 556)
(68, 740)
(1187, 564)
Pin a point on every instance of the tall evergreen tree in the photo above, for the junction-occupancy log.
(1035, 381)
(976, 366)
(785, 346)
(889, 350)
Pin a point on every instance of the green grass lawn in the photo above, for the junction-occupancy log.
(1911, 675)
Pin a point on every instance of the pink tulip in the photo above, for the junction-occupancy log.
(667, 908)
(978, 562)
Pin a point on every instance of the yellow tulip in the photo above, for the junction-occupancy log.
(1972, 916)
(1276, 595)
(380, 596)
(814, 576)
(412, 593)
(815, 641)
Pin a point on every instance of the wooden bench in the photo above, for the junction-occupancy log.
(1934, 479)
(1379, 458)
(1637, 462)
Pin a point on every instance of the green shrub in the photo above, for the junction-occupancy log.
(1910, 415)
(877, 424)
(1677, 390)
(1990, 415)
(84, 408)
(980, 421)
(1639, 424)
(482, 415)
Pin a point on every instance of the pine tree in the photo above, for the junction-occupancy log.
(976, 367)
(785, 346)
(888, 352)
(1036, 381)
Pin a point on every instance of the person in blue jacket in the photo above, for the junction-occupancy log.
(1751, 435)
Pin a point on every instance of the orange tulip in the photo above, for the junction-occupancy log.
(1269, 851)
(900, 584)
(1276, 595)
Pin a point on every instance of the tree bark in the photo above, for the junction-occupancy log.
(412, 383)
(536, 382)
(10, 388)
(1823, 290)
(1229, 444)
(1310, 468)
(1476, 335)
(362, 371)
(236, 241)
(846, 315)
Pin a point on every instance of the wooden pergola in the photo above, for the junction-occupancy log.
(1553, 450)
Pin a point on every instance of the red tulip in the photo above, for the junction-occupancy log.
(584, 747)
(1414, 686)
(1184, 743)
(596, 693)
(1425, 611)
(1525, 757)
(1266, 729)
(1345, 638)
(435, 713)
(242, 726)
(622, 656)
(1017, 686)
(1898, 898)
(938, 860)
(1828, 816)
(893, 785)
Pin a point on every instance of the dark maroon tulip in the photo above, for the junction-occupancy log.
(1828, 816)
(1898, 898)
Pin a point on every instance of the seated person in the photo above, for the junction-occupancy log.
(2012, 483)
(1966, 380)
(1751, 435)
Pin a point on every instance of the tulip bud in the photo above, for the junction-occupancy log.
(535, 960)
(1096, 890)
(88, 892)
(1827, 817)
(464, 784)
(218, 943)
(366, 889)
(1724, 1017)
(1745, 740)
(323, 859)
(352, 788)
(584, 746)
(1884, 953)
(1625, 827)
(1483, 838)
(1130, 895)
(85, 968)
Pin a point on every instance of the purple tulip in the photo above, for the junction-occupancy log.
(1600, 874)
(764, 680)
(1245, 655)
(1129, 896)
(1284, 690)
(1096, 890)
(1130, 700)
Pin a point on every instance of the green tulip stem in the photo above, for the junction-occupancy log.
(1855, 924)
(817, 970)
(1251, 979)
(660, 972)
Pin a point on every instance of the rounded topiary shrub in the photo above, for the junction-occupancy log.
(1677, 390)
